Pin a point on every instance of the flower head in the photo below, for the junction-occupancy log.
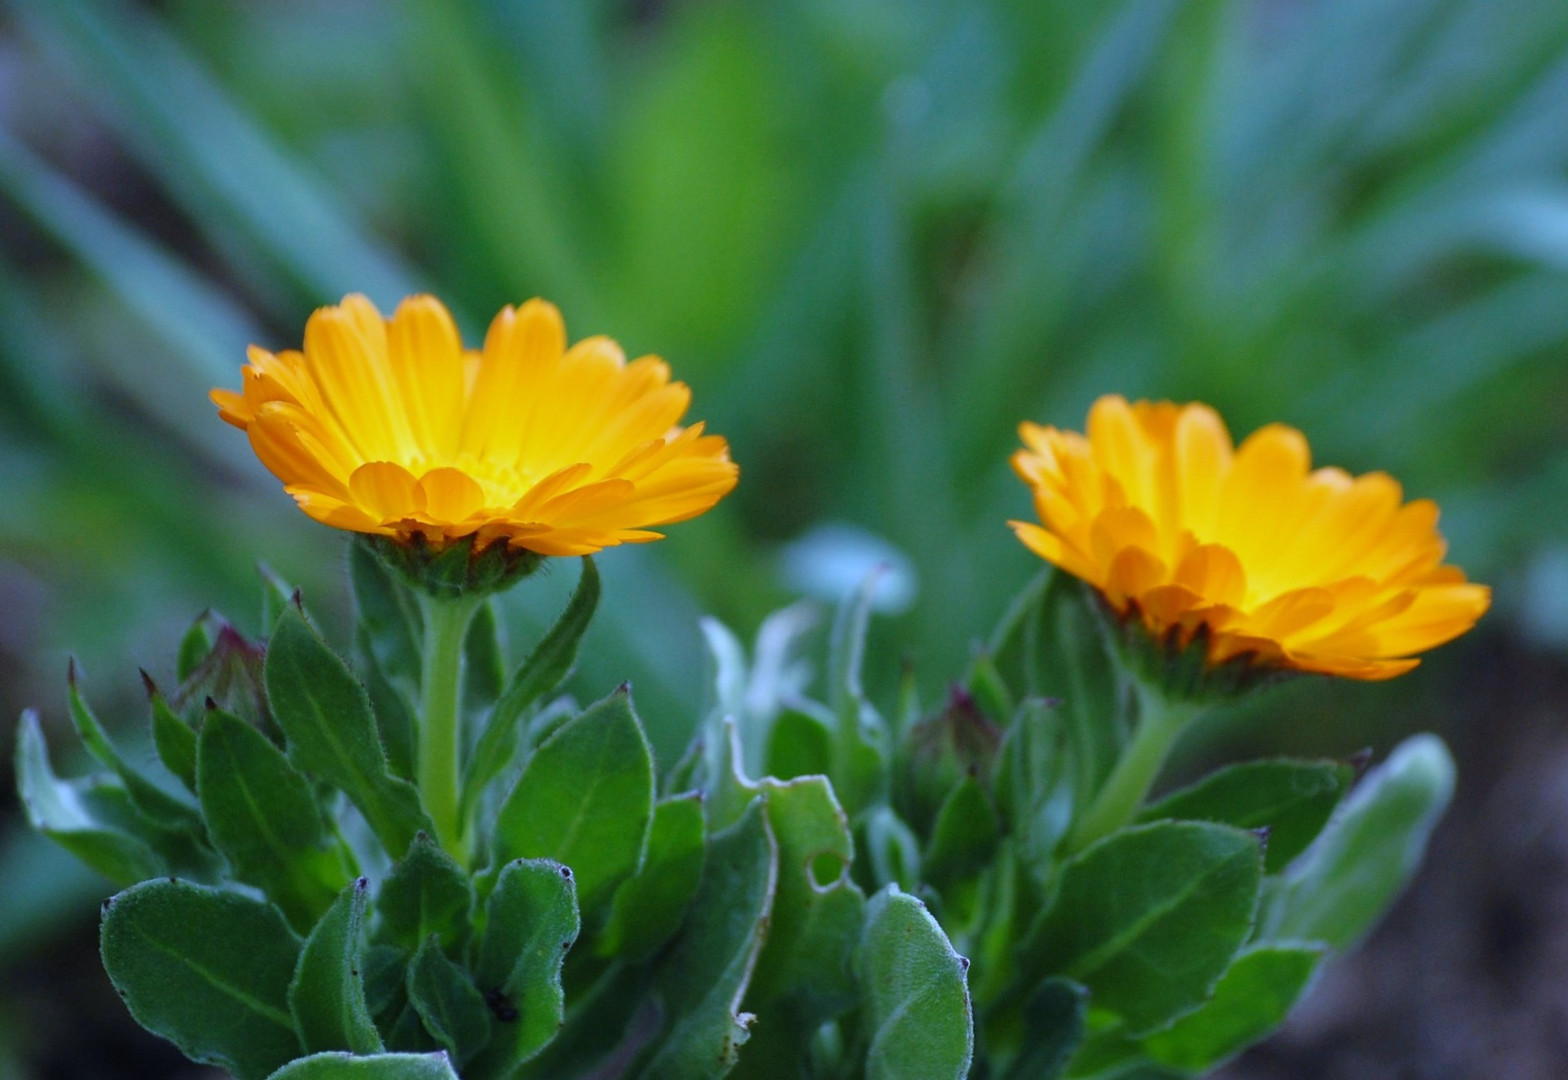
(390, 427)
(1249, 548)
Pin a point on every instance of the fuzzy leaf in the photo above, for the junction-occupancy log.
(426, 894)
(263, 817)
(1150, 917)
(326, 716)
(451, 1008)
(915, 993)
(584, 799)
(484, 662)
(388, 616)
(208, 970)
(172, 737)
(164, 802)
(340, 1066)
(963, 840)
(1054, 1024)
(327, 994)
(649, 907)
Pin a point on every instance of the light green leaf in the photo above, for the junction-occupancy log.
(1292, 799)
(341, 1066)
(856, 772)
(172, 737)
(703, 980)
(426, 894)
(964, 837)
(915, 994)
(799, 744)
(649, 907)
(208, 970)
(326, 715)
(263, 818)
(1150, 917)
(327, 994)
(451, 1008)
(547, 667)
(531, 923)
(58, 810)
(1250, 1001)
(1368, 852)
(584, 799)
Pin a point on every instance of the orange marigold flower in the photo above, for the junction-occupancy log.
(391, 427)
(1295, 568)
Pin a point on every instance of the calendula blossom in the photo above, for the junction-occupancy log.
(1296, 568)
(391, 427)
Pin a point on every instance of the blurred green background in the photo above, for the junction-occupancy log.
(872, 234)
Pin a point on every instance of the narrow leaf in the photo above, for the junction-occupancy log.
(327, 994)
(915, 993)
(452, 1009)
(649, 907)
(166, 803)
(172, 737)
(484, 662)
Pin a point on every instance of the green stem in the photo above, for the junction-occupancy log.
(439, 758)
(1160, 722)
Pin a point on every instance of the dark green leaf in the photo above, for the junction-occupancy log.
(649, 906)
(1249, 1002)
(484, 662)
(58, 810)
(584, 799)
(1054, 1017)
(385, 972)
(1292, 799)
(327, 994)
(426, 894)
(546, 668)
(195, 644)
(326, 716)
(817, 910)
(276, 595)
(208, 970)
(1150, 917)
(263, 818)
(531, 922)
(1368, 852)
(452, 1009)
(341, 1066)
(164, 801)
(915, 993)
(963, 840)
(388, 616)
(1035, 782)
(703, 979)
(172, 737)
(393, 707)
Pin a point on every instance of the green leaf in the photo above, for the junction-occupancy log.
(856, 772)
(327, 994)
(263, 817)
(195, 644)
(325, 713)
(388, 614)
(165, 803)
(703, 979)
(915, 993)
(964, 838)
(484, 662)
(1250, 1001)
(1292, 799)
(1150, 917)
(276, 595)
(340, 1066)
(1368, 852)
(208, 970)
(799, 744)
(1053, 1023)
(426, 894)
(546, 668)
(649, 907)
(531, 922)
(1035, 783)
(817, 910)
(584, 799)
(58, 810)
(172, 737)
(393, 707)
(893, 848)
(451, 1008)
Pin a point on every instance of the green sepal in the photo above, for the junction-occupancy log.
(326, 716)
(703, 979)
(450, 1006)
(207, 969)
(327, 994)
(649, 907)
(172, 737)
(914, 993)
(1356, 867)
(59, 810)
(940, 752)
(1150, 917)
(336, 1065)
(1292, 799)
(531, 922)
(263, 817)
(585, 799)
(426, 894)
(165, 802)
(458, 568)
(547, 667)
(195, 644)
(229, 673)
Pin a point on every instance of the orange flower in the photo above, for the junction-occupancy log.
(389, 426)
(1300, 569)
